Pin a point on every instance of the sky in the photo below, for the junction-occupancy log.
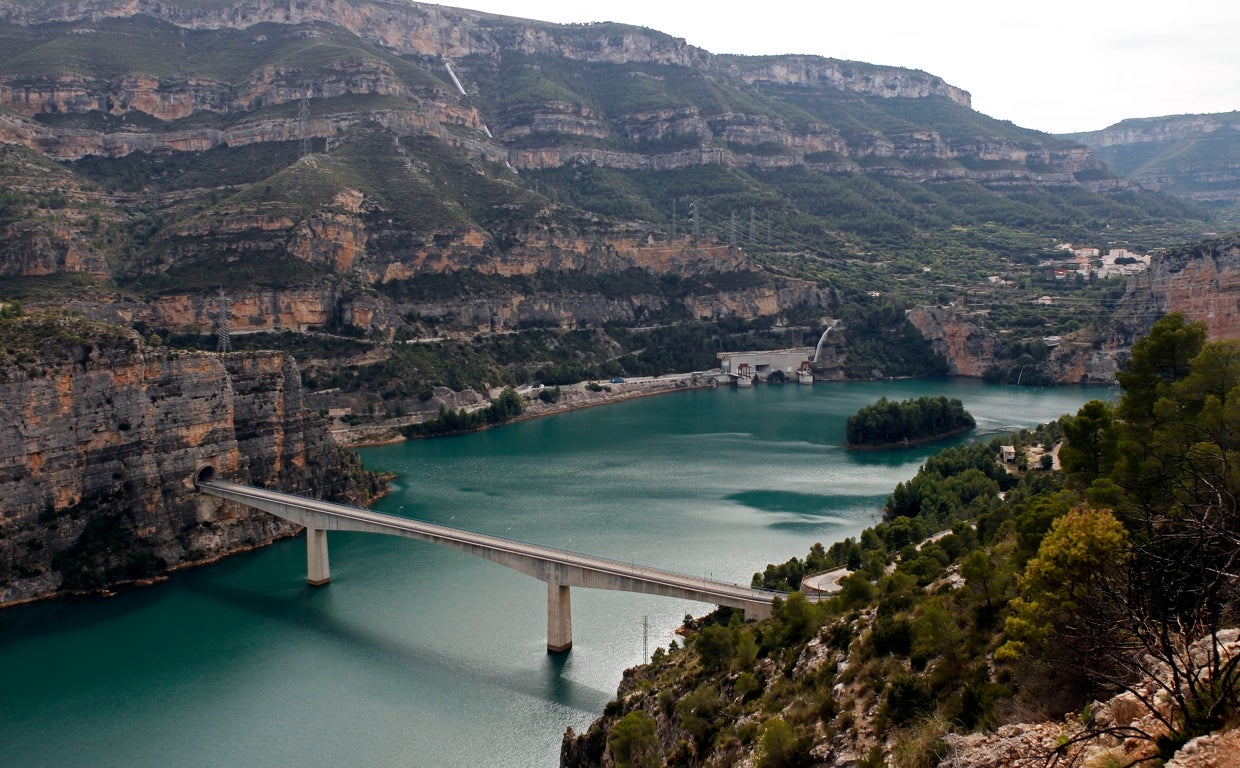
(1059, 66)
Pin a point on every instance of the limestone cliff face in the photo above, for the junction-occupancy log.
(39, 237)
(345, 245)
(1159, 129)
(971, 349)
(1077, 363)
(1200, 280)
(101, 438)
(409, 28)
(963, 341)
(567, 308)
(295, 309)
(760, 142)
(528, 134)
(429, 119)
(47, 248)
(1191, 156)
(885, 82)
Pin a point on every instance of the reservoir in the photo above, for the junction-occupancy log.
(416, 655)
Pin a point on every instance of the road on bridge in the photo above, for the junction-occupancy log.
(559, 568)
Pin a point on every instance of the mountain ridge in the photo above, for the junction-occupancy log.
(1196, 156)
(393, 170)
(617, 43)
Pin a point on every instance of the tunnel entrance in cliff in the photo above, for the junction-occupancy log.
(205, 475)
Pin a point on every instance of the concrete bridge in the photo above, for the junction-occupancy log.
(560, 569)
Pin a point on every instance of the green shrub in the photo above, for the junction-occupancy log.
(780, 747)
(907, 697)
(634, 742)
(746, 683)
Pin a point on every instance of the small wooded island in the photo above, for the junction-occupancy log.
(888, 424)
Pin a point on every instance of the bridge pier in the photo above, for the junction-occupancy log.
(317, 571)
(559, 618)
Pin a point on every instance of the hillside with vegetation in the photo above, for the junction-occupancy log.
(364, 175)
(1194, 157)
(1077, 617)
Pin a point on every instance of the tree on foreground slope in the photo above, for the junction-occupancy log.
(1143, 593)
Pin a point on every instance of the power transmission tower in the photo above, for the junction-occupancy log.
(645, 638)
(223, 339)
(732, 232)
(694, 216)
(303, 122)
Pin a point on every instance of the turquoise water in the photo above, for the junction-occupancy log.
(420, 656)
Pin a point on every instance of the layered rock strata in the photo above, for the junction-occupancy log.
(529, 134)
(101, 438)
(1190, 156)
(972, 349)
(1201, 280)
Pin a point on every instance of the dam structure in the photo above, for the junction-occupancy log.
(560, 569)
(774, 365)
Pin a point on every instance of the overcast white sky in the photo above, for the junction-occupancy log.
(1054, 65)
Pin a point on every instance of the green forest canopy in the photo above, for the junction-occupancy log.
(887, 422)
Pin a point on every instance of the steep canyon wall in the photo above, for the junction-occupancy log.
(101, 438)
(1201, 280)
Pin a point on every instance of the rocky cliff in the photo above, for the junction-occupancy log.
(971, 348)
(1200, 280)
(380, 169)
(549, 277)
(498, 59)
(1194, 156)
(967, 345)
(406, 27)
(454, 33)
(1155, 130)
(101, 437)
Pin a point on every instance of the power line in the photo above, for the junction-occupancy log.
(779, 238)
(223, 337)
(303, 122)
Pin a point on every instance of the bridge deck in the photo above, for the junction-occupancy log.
(555, 566)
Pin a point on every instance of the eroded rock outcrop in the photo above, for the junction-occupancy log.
(1122, 730)
(972, 349)
(538, 285)
(1186, 155)
(886, 82)
(529, 133)
(1201, 280)
(75, 143)
(102, 436)
(962, 340)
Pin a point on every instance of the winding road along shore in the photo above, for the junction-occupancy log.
(584, 394)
